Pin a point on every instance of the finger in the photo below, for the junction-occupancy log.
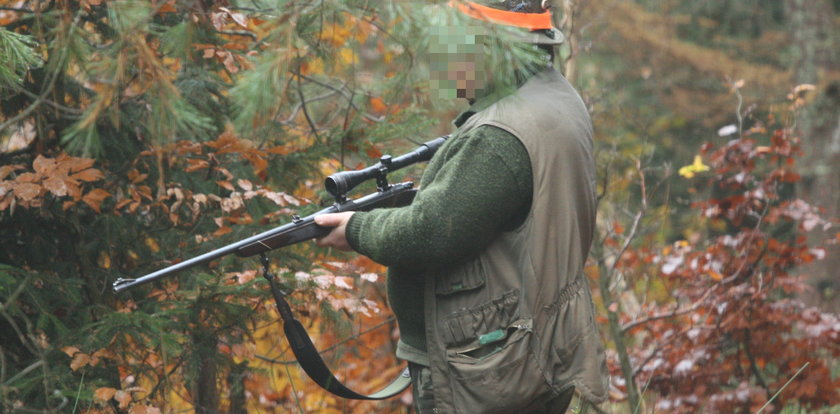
(328, 220)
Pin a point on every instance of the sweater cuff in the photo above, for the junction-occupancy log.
(353, 231)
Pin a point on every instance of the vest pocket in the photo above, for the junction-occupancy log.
(497, 374)
(467, 276)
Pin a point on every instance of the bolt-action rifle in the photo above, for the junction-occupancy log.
(302, 229)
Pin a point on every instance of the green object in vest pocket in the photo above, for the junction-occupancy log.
(491, 337)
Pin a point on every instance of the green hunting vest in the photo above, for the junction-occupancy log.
(516, 324)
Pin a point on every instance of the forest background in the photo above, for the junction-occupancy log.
(138, 133)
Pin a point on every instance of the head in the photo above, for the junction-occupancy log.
(462, 64)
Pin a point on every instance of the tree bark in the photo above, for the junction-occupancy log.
(814, 58)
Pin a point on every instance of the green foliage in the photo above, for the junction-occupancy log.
(18, 55)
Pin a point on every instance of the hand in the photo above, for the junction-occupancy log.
(336, 238)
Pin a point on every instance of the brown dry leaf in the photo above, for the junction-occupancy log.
(281, 149)
(80, 359)
(56, 185)
(245, 184)
(95, 197)
(70, 350)
(139, 409)
(221, 231)
(239, 18)
(76, 164)
(28, 178)
(230, 63)
(226, 185)
(27, 191)
(88, 175)
(104, 393)
(123, 398)
(196, 164)
(44, 165)
(5, 170)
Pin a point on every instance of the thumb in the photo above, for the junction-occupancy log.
(328, 220)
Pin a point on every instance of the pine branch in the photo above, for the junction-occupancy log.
(17, 9)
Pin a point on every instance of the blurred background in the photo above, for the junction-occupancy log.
(135, 134)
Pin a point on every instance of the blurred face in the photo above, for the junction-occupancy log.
(456, 60)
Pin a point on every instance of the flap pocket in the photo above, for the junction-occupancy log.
(471, 324)
(467, 276)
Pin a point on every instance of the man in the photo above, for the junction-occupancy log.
(486, 265)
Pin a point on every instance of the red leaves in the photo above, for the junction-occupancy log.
(731, 332)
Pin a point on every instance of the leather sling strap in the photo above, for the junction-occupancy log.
(309, 358)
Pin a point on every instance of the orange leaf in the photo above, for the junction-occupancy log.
(373, 152)
(80, 359)
(5, 170)
(196, 164)
(27, 178)
(70, 350)
(280, 150)
(56, 186)
(123, 398)
(43, 165)
(79, 164)
(27, 191)
(378, 106)
(226, 185)
(222, 230)
(104, 393)
(167, 8)
(95, 197)
(90, 174)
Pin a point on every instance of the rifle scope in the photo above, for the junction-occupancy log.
(339, 184)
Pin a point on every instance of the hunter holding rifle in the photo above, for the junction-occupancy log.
(486, 265)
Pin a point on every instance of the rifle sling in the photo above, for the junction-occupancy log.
(309, 358)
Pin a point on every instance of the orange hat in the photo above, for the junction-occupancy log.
(542, 31)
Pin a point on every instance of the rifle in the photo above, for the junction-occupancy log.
(302, 229)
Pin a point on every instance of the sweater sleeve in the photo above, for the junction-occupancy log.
(483, 186)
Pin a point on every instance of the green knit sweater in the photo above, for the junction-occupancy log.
(476, 186)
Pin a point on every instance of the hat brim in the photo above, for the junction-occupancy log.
(538, 37)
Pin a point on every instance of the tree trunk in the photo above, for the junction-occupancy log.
(815, 61)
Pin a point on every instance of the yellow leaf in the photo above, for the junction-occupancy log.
(152, 244)
(347, 56)
(697, 167)
(715, 276)
(312, 67)
(104, 260)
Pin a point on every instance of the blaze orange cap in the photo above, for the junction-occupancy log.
(531, 21)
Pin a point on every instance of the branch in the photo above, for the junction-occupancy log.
(305, 111)
(16, 9)
(676, 312)
(347, 95)
(390, 319)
